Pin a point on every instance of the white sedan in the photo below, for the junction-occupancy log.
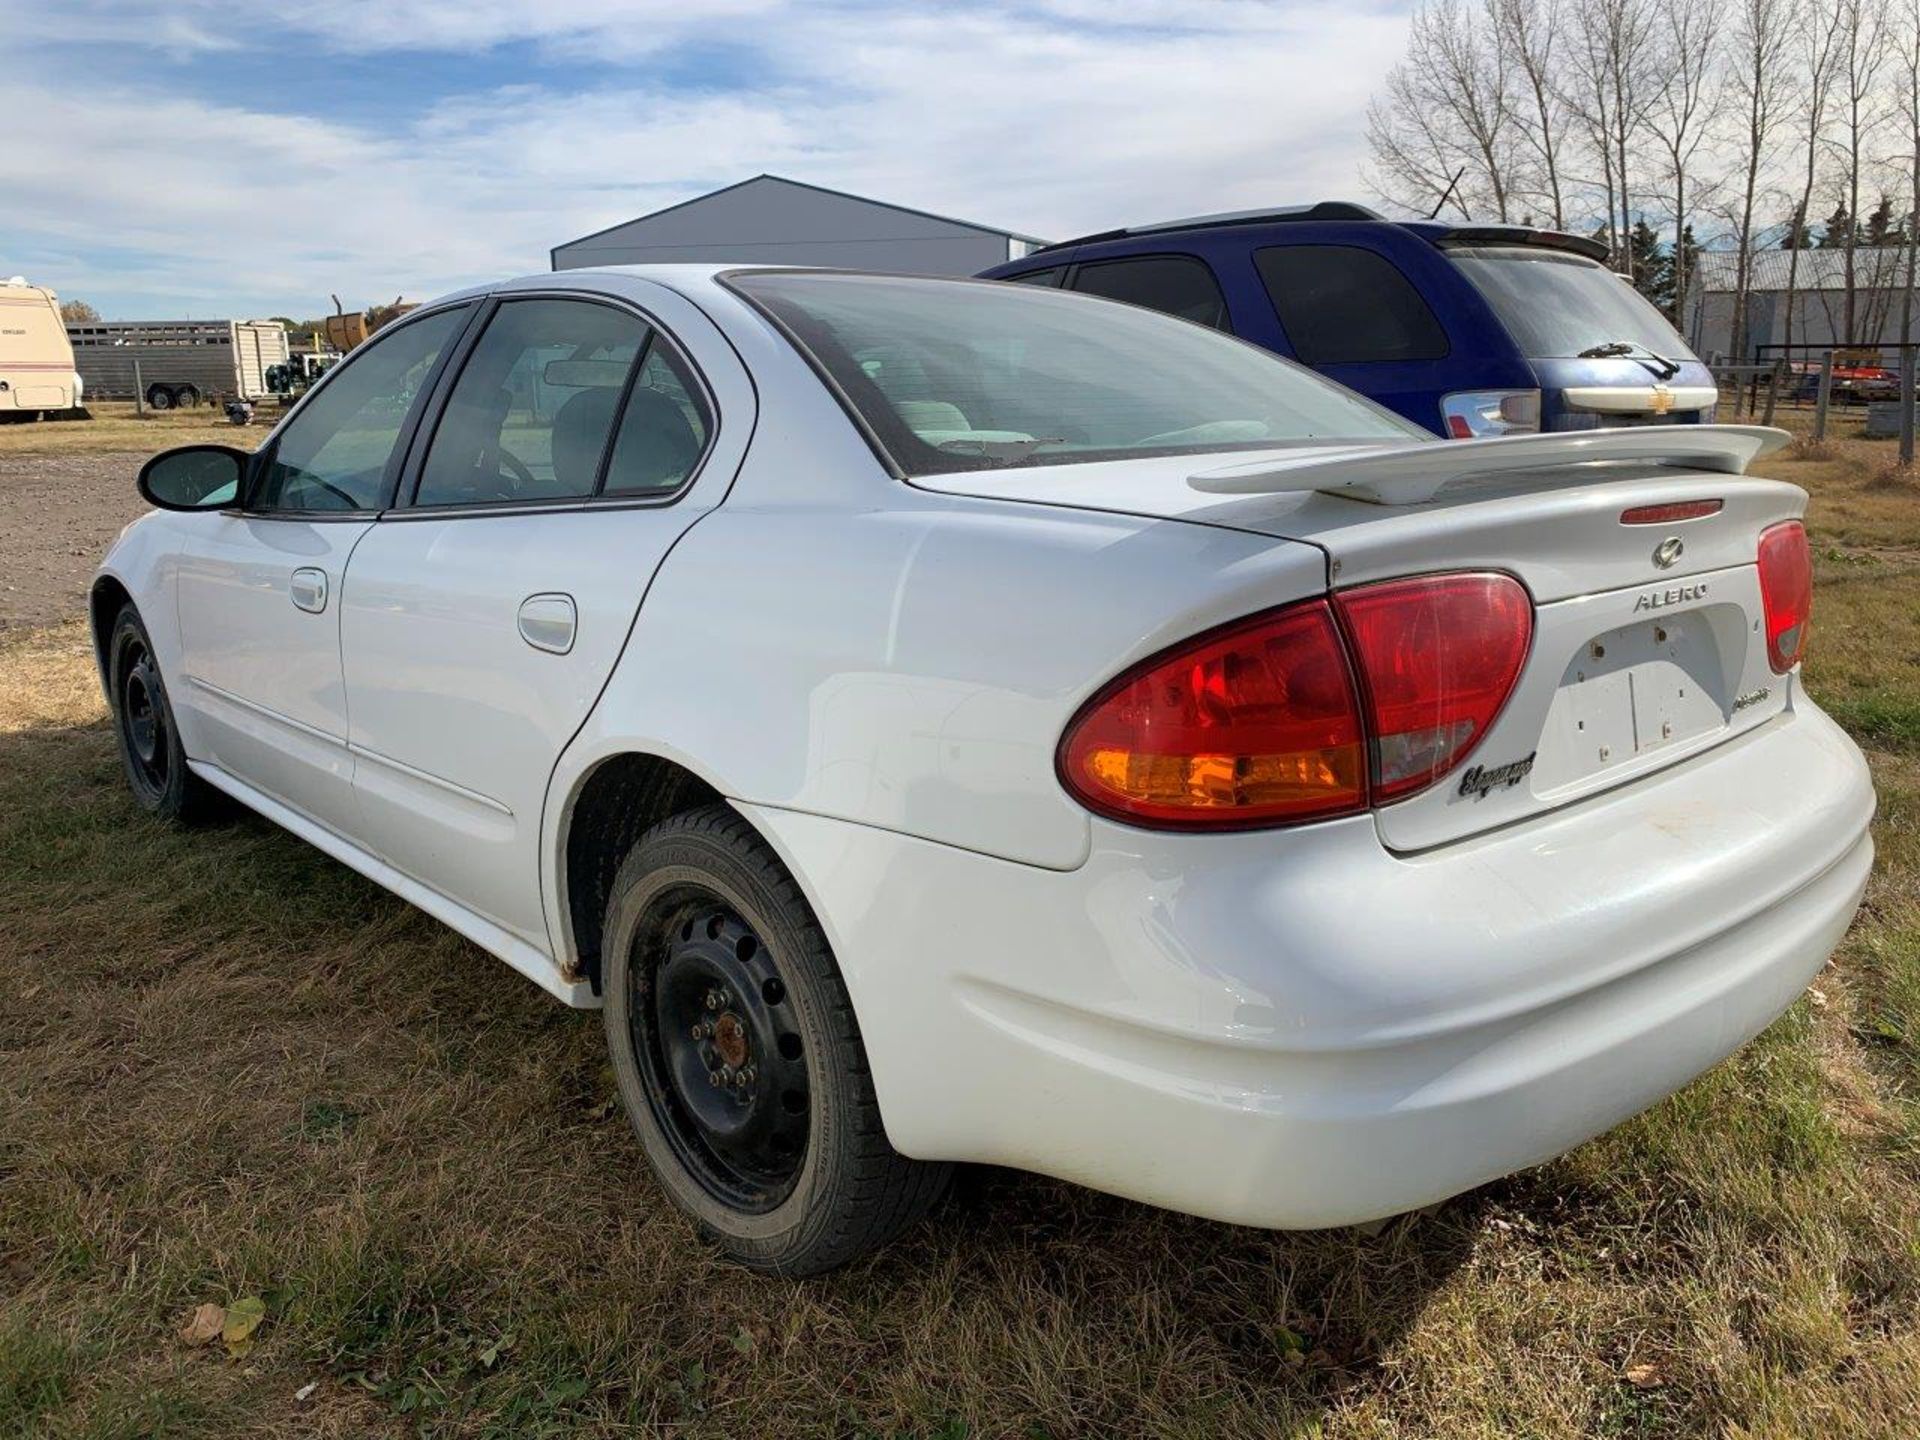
(948, 721)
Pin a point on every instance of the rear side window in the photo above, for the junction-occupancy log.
(1172, 284)
(1341, 305)
(1039, 277)
(663, 428)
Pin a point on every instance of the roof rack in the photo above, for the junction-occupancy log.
(1322, 210)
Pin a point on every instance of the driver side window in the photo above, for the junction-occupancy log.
(333, 455)
(535, 403)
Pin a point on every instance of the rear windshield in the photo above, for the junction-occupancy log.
(1556, 305)
(952, 375)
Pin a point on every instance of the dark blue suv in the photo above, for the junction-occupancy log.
(1465, 329)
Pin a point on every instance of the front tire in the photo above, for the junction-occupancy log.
(738, 1057)
(150, 752)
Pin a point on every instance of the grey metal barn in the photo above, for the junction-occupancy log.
(768, 220)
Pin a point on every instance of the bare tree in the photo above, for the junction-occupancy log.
(1820, 25)
(1859, 60)
(1605, 86)
(1909, 68)
(1684, 81)
(1529, 33)
(78, 312)
(1759, 76)
(1446, 106)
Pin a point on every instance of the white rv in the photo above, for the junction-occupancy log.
(37, 375)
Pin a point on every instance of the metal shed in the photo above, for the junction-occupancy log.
(770, 220)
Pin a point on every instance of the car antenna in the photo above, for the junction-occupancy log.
(1446, 194)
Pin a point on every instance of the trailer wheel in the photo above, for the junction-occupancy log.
(159, 397)
(186, 397)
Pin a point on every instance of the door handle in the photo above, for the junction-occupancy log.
(547, 622)
(308, 587)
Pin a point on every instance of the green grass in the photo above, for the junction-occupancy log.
(231, 1068)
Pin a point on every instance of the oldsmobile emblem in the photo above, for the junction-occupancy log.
(1668, 552)
(1482, 779)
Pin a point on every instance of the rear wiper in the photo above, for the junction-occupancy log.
(1660, 365)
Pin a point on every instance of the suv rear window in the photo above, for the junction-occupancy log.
(1172, 284)
(1342, 305)
(1555, 305)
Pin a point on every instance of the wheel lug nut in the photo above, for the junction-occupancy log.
(713, 999)
(740, 1080)
(700, 1032)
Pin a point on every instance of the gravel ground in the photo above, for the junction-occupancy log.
(58, 514)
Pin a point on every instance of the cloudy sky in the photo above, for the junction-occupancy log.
(204, 158)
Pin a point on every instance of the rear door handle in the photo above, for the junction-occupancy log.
(547, 622)
(308, 587)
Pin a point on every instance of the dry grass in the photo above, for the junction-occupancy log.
(115, 426)
(229, 1067)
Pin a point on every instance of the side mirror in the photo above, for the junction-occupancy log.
(194, 477)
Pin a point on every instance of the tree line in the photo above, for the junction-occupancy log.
(1665, 127)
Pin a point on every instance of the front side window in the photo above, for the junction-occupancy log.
(531, 414)
(1172, 284)
(1341, 305)
(952, 375)
(333, 455)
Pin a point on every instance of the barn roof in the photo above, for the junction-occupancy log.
(1874, 267)
(803, 185)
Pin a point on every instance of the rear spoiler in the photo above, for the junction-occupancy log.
(1413, 474)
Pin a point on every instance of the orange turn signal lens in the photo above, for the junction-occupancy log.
(1257, 723)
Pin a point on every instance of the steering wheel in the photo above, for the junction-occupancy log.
(515, 468)
(334, 490)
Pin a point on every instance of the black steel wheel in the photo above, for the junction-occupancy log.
(150, 750)
(739, 1059)
(721, 1050)
(186, 397)
(159, 397)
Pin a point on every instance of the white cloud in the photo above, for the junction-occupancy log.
(1069, 116)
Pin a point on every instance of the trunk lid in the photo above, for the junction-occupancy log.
(1649, 639)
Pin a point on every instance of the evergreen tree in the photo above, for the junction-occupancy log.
(1798, 236)
(1882, 228)
(1833, 235)
(1652, 270)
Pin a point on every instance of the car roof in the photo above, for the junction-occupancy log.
(1343, 212)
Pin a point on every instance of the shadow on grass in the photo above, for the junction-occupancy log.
(263, 1074)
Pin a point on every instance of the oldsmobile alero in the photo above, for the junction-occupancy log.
(943, 721)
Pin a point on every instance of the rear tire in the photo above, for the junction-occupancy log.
(764, 1129)
(186, 397)
(150, 753)
(159, 397)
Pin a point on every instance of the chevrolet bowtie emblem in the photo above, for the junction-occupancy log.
(1662, 400)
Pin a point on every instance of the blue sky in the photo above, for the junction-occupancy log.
(204, 158)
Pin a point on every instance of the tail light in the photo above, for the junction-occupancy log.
(1304, 713)
(1786, 592)
(1438, 657)
(1470, 414)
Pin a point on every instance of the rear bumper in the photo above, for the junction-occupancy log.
(1303, 1029)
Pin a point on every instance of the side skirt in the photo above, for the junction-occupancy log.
(530, 962)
